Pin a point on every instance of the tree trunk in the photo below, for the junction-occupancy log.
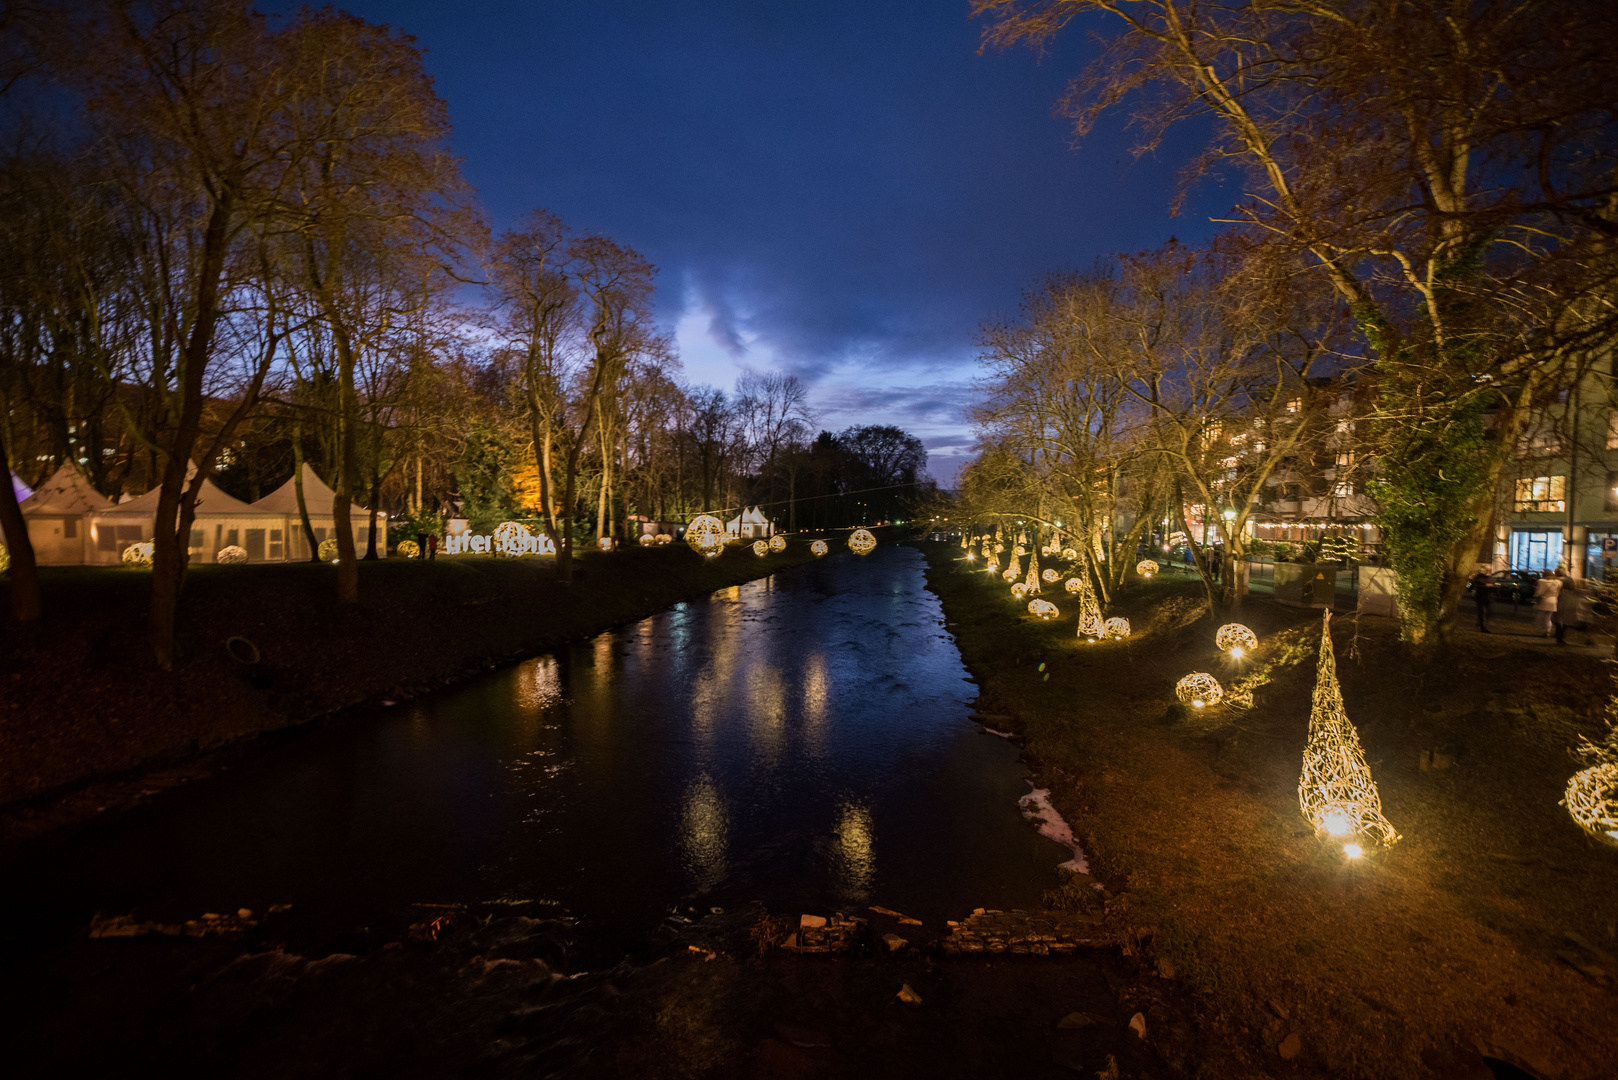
(25, 607)
(375, 497)
(297, 489)
(348, 567)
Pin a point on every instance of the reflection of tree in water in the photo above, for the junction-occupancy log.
(704, 834)
(854, 858)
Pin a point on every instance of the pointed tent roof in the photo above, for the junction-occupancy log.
(317, 496)
(66, 492)
(210, 500)
(22, 489)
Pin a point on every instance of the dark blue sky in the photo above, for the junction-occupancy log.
(844, 190)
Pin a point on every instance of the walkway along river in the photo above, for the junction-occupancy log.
(801, 740)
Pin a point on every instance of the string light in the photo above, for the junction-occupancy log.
(1336, 792)
(1199, 689)
(1043, 609)
(861, 542)
(705, 535)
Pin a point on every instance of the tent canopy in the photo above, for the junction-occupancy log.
(210, 500)
(67, 492)
(317, 497)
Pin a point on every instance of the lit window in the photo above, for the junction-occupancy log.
(1612, 431)
(1345, 460)
(1345, 427)
(1295, 405)
(1541, 494)
(1343, 490)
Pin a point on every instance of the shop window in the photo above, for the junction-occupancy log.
(1536, 550)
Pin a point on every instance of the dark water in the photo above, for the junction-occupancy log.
(800, 740)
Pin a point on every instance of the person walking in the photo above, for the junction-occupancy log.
(1545, 590)
(432, 545)
(1480, 596)
(1567, 606)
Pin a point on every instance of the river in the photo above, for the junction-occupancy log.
(802, 740)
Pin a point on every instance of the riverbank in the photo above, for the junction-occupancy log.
(85, 704)
(1485, 934)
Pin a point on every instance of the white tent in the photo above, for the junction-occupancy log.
(22, 490)
(750, 524)
(221, 521)
(319, 500)
(56, 515)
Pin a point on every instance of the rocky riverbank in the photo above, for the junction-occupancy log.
(265, 647)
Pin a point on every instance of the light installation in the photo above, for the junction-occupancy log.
(706, 535)
(1069, 554)
(778, 542)
(235, 556)
(1235, 639)
(760, 548)
(1592, 801)
(141, 554)
(510, 534)
(818, 547)
(647, 540)
(1043, 609)
(1050, 576)
(861, 542)
(409, 549)
(1074, 586)
(1117, 626)
(1018, 591)
(1199, 690)
(1336, 792)
(1091, 624)
(1032, 582)
(604, 543)
(326, 552)
(1147, 567)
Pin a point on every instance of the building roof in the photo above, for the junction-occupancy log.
(317, 497)
(66, 492)
(22, 489)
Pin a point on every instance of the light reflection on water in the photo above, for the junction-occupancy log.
(800, 740)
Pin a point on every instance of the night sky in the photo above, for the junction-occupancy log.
(844, 190)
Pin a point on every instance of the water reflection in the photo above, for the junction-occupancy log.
(854, 856)
(704, 835)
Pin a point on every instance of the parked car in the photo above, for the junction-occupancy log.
(1512, 586)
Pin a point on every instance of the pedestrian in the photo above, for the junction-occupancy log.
(1480, 596)
(1545, 590)
(432, 545)
(1567, 606)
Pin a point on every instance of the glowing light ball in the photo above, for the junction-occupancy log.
(1592, 801)
(819, 548)
(235, 556)
(1235, 639)
(705, 534)
(1043, 609)
(1073, 586)
(326, 552)
(511, 533)
(665, 538)
(1069, 554)
(1019, 550)
(861, 542)
(998, 548)
(604, 543)
(647, 540)
(1147, 567)
(760, 548)
(1050, 576)
(1018, 591)
(1199, 689)
(408, 549)
(138, 554)
(1116, 627)
(778, 543)
(1336, 792)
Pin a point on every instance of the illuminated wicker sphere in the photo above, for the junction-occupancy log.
(1117, 626)
(604, 543)
(1043, 609)
(1199, 689)
(408, 549)
(1018, 591)
(1050, 576)
(1592, 800)
(326, 552)
(998, 548)
(1235, 639)
(778, 543)
(234, 556)
(664, 538)
(1147, 567)
(138, 554)
(1069, 554)
(705, 534)
(1073, 585)
(510, 534)
(861, 542)
(1335, 791)
(760, 548)
(5, 559)
(647, 540)
(819, 548)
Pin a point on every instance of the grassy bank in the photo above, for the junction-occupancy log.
(1482, 933)
(85, 702)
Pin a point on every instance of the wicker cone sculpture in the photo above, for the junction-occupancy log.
(1091, 624)
(1336, 792)
(1013, 569)
(1032, 581)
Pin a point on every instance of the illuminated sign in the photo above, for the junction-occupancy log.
(510, 544)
